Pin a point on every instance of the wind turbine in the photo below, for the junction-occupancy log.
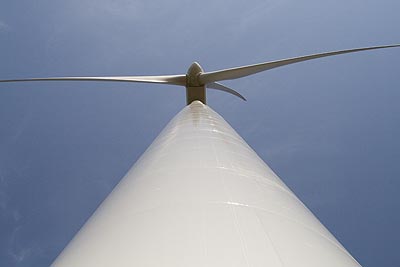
(200, 196)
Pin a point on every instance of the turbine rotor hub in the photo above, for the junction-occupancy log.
(195, 90)
(192, 76)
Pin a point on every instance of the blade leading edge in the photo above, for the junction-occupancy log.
(221, 87)
(166, 79)
(238, 72)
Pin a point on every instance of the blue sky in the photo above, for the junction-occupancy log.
(329, 128)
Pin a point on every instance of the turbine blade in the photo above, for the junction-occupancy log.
(167, 79)
(238, 72)
(218, 86)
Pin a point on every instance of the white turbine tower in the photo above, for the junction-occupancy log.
(200, 196)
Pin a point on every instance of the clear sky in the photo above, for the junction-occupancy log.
(329, 128)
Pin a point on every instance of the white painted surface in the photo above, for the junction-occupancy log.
(200, 196)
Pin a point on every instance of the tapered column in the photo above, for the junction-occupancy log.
(200, 196)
